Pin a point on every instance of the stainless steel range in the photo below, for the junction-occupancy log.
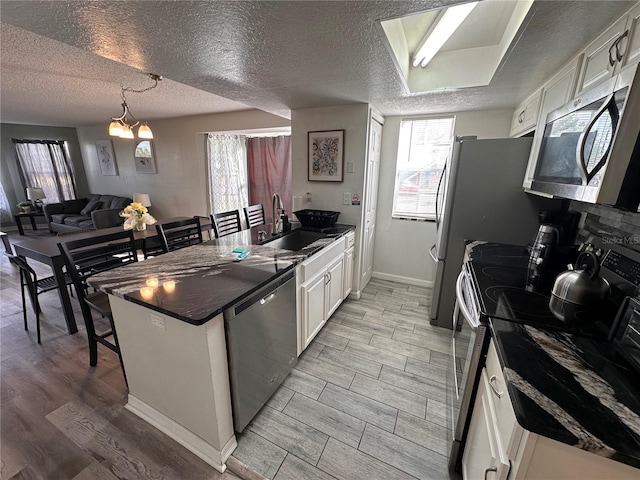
(494, 284)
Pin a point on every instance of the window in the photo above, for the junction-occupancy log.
(227, 172)
(423, 149)
(45, 164)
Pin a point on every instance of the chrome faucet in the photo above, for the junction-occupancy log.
(276, 208)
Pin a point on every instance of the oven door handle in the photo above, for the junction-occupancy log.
(461, 303)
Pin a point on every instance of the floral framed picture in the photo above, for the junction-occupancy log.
(106, 157)
(326, 156)
(144, 157)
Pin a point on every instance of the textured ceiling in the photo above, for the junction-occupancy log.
(271, 55)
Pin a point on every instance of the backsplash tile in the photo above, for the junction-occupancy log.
(611, 225)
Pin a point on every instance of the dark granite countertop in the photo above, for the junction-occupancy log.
(206, 278)
(571, 389)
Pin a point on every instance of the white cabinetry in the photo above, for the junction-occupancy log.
(349, 260)
(320, 281)
(498, 447)
(555, 93)
(615, 48)
(525, 117)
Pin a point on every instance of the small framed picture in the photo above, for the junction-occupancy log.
(326, 156)
(106, 157)
(144, 157)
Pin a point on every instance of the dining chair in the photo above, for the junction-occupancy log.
(86, 257)
(254, 214)
(226, 223)
(179, 234)
(35, 286)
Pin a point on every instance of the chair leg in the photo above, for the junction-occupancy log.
(38, 323)
(117, 344)
(24, 303)
(91, 333)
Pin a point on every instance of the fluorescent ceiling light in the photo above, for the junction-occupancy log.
(438, 35)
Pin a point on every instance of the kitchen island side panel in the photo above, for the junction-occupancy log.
(179, 370)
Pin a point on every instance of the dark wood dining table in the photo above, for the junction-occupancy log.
(45, 250)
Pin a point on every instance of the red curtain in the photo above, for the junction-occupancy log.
(269, 165)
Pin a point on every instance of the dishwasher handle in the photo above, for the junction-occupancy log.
(265, 295)
(432, 253)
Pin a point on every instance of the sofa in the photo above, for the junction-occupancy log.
(95, 211)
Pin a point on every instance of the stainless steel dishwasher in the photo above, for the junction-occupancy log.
(261, 345)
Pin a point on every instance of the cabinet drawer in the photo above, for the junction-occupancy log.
(506, 423)
(321, 259)
(350, 239)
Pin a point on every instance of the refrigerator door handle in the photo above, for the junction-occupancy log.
(432, 253)
(444, 169)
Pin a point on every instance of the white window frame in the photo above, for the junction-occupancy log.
(424, 178)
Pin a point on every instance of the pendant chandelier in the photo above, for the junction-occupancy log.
(123, 125)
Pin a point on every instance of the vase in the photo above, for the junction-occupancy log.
(140, 226)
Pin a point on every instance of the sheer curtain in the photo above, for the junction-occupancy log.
(5, 208)
(269, 164)
(45, 164)
(227, 172)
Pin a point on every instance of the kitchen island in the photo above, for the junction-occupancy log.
(168, 313)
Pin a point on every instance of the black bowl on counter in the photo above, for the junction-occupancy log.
(317, 218)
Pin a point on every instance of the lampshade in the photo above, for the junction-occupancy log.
(35, 193)
(144, 131)
(115, 129)
(126, 133)
(142, 198)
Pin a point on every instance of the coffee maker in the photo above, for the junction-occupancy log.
(552, 249)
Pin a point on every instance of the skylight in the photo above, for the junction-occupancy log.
(455, 47)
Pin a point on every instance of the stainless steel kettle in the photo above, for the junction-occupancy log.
(582, 286)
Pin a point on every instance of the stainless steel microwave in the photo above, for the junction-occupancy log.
(591, 148)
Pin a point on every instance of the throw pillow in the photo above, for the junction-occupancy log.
(91, 206)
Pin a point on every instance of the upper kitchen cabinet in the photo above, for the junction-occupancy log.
(555, 93)
(525, 117)
(615, 48)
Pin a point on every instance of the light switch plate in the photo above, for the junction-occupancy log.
(346, 198)
(349, 167)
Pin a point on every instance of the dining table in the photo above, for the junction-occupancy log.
(46, 250)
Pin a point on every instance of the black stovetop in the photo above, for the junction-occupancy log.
(503, 293)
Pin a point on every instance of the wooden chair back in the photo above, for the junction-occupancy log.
(179, 234)
(254, 215)
(226, 223)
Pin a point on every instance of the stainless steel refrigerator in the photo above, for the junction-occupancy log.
(480, 197)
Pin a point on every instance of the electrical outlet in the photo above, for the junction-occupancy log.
(346, 198)
(308, 197)
(158, 322)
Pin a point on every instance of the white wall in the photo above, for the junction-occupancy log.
(402, 246)
(180, 186)
(328, 195)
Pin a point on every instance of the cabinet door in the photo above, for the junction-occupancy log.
(313, 305)
(484, 457)
(525, 117)
(335, 290)
(630, 45)
(600, 57)
(555, 93)
(349, 257)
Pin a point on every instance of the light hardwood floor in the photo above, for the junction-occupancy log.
(366, 401)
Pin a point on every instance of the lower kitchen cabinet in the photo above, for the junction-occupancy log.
(321, 289)
(349, 260)
(498, 448)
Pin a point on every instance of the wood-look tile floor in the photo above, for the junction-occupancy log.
(366, 401)
(62, 419)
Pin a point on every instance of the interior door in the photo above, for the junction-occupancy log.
(370, 201)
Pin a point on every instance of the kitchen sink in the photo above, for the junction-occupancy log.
(296, 240)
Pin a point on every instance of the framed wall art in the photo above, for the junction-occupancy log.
(106, 157)
(144, 157)
(326, 156)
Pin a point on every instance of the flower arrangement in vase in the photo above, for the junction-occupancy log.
(136, 217)
(25, 206)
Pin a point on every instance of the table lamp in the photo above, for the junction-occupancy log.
(142, 198)
(35, 195)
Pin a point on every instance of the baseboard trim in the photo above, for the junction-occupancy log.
(183, 436)
(400, 279)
